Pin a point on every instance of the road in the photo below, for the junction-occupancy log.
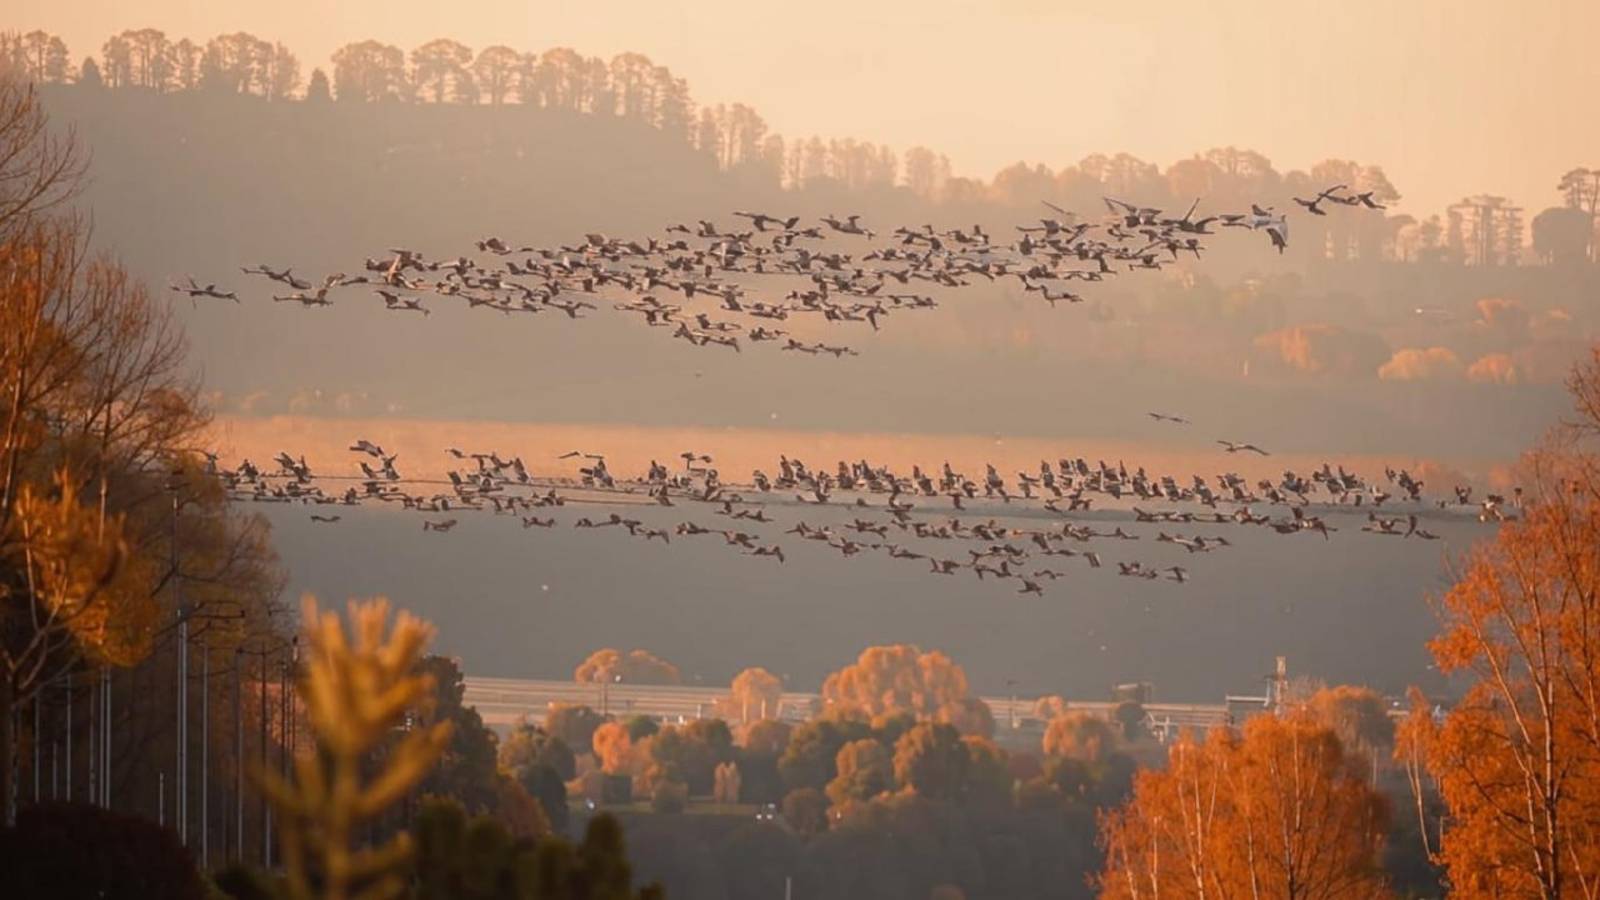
(504, 701)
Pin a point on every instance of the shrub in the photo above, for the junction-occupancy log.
(68, 851)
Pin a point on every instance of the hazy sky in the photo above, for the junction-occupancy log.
(1452, 96)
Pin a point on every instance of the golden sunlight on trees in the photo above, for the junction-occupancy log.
(92, 592)
(1277, 812)
(1080, 736)
(97, 427)
(633, 667)
(357, 688)
(754, 695)
(1517, 760)
(866, 769)
(902, 678)
(1358, 715)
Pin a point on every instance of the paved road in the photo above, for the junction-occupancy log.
(503, 701)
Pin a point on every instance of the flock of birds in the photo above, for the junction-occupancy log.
(698, 283)
(856, 507)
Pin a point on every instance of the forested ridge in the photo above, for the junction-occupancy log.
(1480, 230)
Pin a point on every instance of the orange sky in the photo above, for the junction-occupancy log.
(1452, 96)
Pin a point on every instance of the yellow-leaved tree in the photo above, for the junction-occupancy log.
(91, 591)
(357, 689)
(1517, 760)
(1277, 811)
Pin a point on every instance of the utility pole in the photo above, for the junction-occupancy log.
(178, 781)
(38, 721)
(283, 718)
(237, 846)
(266, 809)
(69, 737)
(105, 738)
(205, 756)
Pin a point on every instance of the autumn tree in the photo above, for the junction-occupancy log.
(765, 736)
(1517, 760)
(1358, 715)
(634, 667)
(1080, 736)
(932, 760)
(691, 753)
(754, 694)
(865, 770)
(810, 759)
(97, 459)
(1275, 812)
(902, 677)
(99, 422)
(357, 688)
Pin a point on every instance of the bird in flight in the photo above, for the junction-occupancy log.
(194, 290)
(1232, 447)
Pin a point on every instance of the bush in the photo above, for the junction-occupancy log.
(65, 851)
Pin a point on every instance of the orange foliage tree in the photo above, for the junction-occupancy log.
(902, 678)
(633, 667)
(1080, 736)
(754, 694)
(1275, 812)
(1517, 761)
